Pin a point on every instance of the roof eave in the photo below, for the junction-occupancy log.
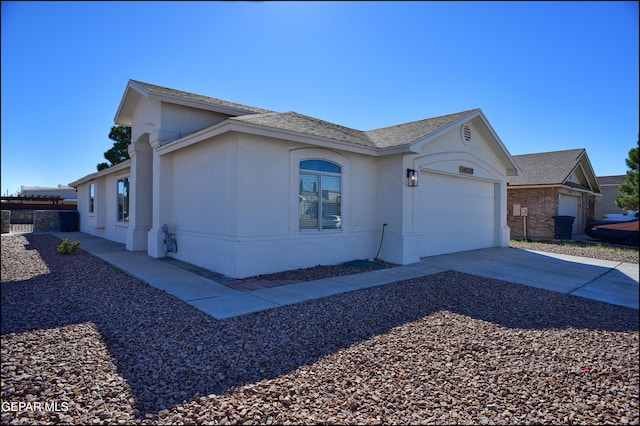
(266, 131)
(397, 149)
(551, 185)
(92, 176)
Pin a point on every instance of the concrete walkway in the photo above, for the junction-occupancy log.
(605, 281)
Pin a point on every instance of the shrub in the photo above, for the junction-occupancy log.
(67, 248)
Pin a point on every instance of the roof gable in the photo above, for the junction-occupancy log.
(406, 133)
(569, 168)
(136, 90)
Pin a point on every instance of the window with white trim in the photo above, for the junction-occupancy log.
(123, 199)
(320, 195)
(92, 196)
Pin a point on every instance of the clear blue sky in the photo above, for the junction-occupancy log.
(548, 75)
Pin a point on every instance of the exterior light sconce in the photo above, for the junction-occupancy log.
(412, 178)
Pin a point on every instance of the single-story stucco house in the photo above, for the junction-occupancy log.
(67, 193)
(557, 183)
(246, 191)
(607, 203)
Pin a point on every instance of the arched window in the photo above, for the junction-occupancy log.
(320, 195)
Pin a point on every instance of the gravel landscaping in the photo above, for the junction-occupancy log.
(586, 248)
(85, 343)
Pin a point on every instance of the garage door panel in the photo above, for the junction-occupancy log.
(440, 244)
(455, 214)
(463, 228)
(459, 204)
(440, 187)
(569, 206)
(457, 224)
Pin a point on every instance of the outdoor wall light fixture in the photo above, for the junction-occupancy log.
(412, 177)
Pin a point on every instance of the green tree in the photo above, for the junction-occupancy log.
(629, 199)
(121, 135)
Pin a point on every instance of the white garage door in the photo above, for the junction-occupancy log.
(568, 206)
(455, 214)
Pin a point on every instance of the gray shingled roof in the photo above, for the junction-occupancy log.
(401, 134)
(299, 123)
(408, 132)
(152, 88)
(546, 168)
(611, 180)
(379, 138)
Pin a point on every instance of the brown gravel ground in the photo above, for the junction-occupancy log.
(585, 248)
(85, 343)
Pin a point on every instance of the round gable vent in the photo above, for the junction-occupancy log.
(466, 133)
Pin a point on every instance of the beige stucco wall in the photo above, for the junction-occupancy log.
(103, 221)
(607, 203)
(234, 206)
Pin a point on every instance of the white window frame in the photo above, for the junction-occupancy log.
(297, 155)
(92, 198)
(321, 175)
(124, 219)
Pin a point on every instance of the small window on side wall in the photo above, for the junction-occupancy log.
(123, 199)
(92, 197)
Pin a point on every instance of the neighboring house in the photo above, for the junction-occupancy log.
(67, 193)
(248, 191)
(558, 183)
(607, 203)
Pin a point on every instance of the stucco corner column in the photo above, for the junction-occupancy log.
(155, 243)
(501, 206)
(140, 194)
(161, 188)
(505, 236)
(410, 249)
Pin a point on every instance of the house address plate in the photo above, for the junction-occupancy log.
(465, 170)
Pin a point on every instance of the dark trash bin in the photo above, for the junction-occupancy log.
(563, 227)
(69, 220)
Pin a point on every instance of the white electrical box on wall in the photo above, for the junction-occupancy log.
(516, 209)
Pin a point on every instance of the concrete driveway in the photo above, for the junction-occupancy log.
(602, 280)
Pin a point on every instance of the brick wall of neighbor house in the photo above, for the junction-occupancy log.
(542, 204)
(589, 208)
